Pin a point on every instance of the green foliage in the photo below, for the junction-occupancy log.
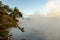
(8, 18)
(3, 32)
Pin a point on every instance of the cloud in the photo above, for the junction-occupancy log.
(51, 5)
(49, 27)
(52, 8)
(41, 28)
(54, 13)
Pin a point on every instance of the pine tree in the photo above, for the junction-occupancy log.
(8, 19)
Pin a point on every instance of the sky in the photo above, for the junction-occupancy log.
(33, 6)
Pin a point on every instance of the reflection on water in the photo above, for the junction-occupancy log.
(38, 28)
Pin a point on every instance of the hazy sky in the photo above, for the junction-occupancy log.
(32, 6)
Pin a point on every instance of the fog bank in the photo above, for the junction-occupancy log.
(38, 28)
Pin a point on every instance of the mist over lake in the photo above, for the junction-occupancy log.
(38, 28)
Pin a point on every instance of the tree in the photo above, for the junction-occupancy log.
(8, 19)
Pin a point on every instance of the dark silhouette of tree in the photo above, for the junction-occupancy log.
(8, 19)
